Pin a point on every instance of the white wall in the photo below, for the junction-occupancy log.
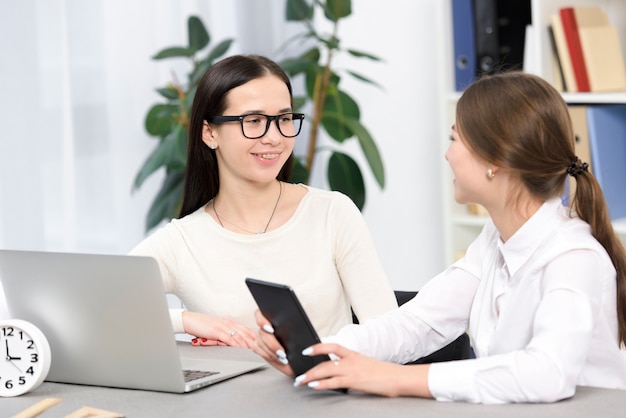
(72, 117)
(406, 217)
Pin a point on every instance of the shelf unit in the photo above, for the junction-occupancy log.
(460, 227)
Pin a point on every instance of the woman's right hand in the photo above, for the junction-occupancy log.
(213, 330)
(268, 347)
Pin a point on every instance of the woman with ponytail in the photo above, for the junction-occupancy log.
(541, 291)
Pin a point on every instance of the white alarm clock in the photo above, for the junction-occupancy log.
(24, 357)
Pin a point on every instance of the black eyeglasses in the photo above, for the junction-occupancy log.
(254, 126)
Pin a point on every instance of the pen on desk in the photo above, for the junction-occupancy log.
(38, 408)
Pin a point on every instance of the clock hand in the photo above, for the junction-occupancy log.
(9, 356)
(20, 370)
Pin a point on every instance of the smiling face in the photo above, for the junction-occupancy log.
(251, 160)
(470, 173)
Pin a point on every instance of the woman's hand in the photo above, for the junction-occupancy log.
(212, 330)
(359, 372)
(268, 347)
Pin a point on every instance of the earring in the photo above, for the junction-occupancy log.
(490, 174)
(212, 146)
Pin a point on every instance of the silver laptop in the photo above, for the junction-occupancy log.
(107, 321)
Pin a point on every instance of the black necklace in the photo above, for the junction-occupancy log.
(264, 230)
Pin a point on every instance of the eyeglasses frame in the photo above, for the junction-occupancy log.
(223, 119)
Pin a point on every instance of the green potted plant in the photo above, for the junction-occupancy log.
(168, 121)
(332, 108)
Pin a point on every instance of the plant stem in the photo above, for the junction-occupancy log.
(319, 97)
(183, 119)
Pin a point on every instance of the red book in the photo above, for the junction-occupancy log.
(570, 27)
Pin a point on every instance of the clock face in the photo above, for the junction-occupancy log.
(24, 357)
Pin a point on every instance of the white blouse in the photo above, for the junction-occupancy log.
(324, 251)
(540, 310)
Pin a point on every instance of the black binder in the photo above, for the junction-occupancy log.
(493, 32)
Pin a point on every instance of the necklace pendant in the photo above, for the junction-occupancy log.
(260, 232)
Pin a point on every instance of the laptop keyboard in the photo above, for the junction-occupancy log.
(197, 374)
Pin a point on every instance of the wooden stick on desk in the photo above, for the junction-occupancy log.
(89, 412)
(38, 408)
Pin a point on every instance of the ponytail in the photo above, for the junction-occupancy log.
(591, 207)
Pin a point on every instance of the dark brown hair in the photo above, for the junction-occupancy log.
(201, 176)
(520, 122)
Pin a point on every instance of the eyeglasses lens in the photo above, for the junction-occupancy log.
(255, 126)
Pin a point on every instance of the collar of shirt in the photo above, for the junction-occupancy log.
(520, 247)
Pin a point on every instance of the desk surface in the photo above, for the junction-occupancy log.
(268, 393)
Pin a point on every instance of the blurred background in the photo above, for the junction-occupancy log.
(77, 80)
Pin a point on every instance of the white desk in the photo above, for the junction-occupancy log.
(268, 393)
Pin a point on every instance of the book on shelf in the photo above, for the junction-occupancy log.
(563, 59)
(603, 57)
(570, 29)
(588, 50)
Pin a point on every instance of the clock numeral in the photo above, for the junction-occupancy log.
(7, 331)
(34, 358)
(31, 345)
(30, 370)
(8, 384)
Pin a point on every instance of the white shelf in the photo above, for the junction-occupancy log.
(461, 227)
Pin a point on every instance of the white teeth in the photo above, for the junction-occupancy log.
(268, 156)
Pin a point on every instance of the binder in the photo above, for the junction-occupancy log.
(570, 28)
(486, 35)
(513, 19)
(464, 48)
(607, 142)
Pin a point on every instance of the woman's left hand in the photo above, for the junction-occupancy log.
(358, 372)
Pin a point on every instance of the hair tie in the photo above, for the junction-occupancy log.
(576, 167)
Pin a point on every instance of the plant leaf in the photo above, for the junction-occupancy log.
(369, 149)
(169, 92)
(298, 10)
(364, 79)
(198, 35)
(152, 164)
(173, 52)
(219, 50)
(166, 205)
(160, 119)
(337, 9)
(299, 174)
(345, 176)
(294, 66)
(339, 106)
(299, 102)
(171, 153)
(361, 54)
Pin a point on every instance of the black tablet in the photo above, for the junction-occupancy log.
(292, 328)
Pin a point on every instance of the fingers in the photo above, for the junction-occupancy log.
(326, 375)
(210, 331)
(239, 336)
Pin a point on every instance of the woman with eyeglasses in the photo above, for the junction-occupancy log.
(241, 217)
(541, 291)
